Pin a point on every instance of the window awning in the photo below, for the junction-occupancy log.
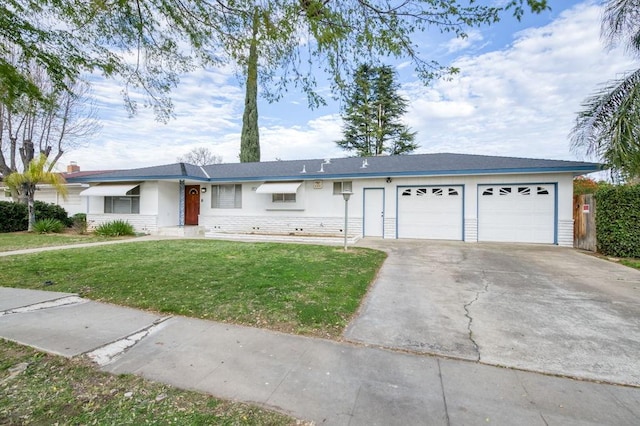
(108, 190)
(278, 188)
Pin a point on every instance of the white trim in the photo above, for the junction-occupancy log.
(278, 188)
(108, 190)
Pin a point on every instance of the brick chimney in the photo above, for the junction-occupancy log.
(73, 167)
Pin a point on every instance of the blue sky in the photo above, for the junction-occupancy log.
(520, 86)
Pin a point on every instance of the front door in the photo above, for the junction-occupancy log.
(191, 204)
(373, 212)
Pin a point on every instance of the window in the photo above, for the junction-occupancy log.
(453, 192)
(543, 191)
(488, 191)
(283, 198)
(524, 190)
(342, 186)
(505, 190)
(406, 193)
(226, 196)
(128, 204)
(436, 191)
(421, 192)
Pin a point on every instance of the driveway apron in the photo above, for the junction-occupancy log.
(533, 307)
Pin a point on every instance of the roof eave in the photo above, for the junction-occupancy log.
(319, 176)
(136, 178)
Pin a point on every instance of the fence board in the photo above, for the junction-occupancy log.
(584, 222)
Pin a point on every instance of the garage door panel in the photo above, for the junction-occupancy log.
(516, 213)
(430, 212)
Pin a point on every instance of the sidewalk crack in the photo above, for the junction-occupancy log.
(108, 353)
(55, 303)
(467, 314)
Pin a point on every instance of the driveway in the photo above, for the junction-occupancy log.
(532, 307)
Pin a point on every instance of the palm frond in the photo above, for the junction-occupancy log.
(608, 127)
(621, 24)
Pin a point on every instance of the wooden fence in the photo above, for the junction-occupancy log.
(584, 222)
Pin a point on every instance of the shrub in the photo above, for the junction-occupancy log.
(14, 217)
(618, 221)
(115, 228)
(79, 223)
(48, 225)
(52, 211)
(584, 185)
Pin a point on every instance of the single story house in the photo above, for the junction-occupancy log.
(428, 196)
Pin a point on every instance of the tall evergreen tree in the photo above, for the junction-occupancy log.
(250, 137)
(372, 115)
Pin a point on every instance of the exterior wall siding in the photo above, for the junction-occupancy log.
(168, 203)
(389, 226)
(565, 233)
(282, 225)
(146, 224)
(471, 230)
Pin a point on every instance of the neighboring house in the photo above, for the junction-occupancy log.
(429, 196)
(73, 203)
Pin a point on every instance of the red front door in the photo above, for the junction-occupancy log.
(191, 204)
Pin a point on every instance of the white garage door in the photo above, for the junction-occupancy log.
(430, 212)
(522, 213)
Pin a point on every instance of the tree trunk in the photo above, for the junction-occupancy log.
(250, 139)
(31, 208)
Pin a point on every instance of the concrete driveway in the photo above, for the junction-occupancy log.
(539, 308)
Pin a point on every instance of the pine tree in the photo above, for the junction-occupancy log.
(372, 115)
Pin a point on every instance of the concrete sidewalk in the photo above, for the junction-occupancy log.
(84, 245)
(328, 382)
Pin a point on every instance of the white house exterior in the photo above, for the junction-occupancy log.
(431, 196)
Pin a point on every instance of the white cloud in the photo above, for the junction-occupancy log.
(518, 101)
(522, 100)
(460, 43)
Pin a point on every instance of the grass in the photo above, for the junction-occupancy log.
(302, 289)
(633, 263)
(48, 389)
(24, 240)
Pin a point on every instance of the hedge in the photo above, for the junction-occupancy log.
(618, 221)
(14, 217)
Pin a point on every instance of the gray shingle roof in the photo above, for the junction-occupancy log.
(353, 167)
(167, 171)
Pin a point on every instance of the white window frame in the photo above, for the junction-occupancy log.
(237, 196)
(283, 198)
(341, 186)
(132, 198)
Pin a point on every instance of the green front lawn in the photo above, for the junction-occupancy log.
(24, 240)
(41, 389)
(304, 289)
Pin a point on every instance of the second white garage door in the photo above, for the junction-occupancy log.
(430, 212)
(523, 213)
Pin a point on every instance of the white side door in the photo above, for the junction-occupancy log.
(373, 212)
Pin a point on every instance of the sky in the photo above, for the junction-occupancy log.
(517, 94)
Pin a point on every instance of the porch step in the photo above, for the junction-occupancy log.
(181, 231)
